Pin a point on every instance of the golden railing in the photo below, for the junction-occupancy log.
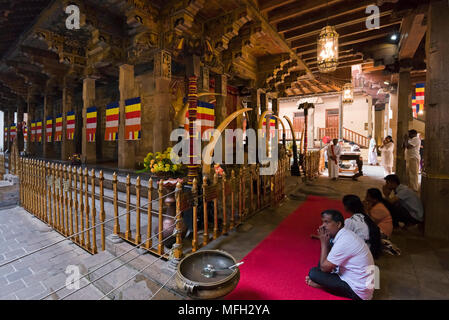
(67, 199)
(312, 164)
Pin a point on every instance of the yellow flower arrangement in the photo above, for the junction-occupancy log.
(162, 163)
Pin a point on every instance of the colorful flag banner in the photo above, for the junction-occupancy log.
(33, 131)
(12, 132)
(205, 117)
(58, 128)
(25, 132)
(420, 93)
(91, 123)
(49, 129)
(6, 135)
(39, 131)
(70, 125)
(112, 117)
(415, 113)
(132, 119)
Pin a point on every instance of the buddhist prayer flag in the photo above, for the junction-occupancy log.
(70, 125)
(49, 129)
(12, 132)
(25, 132)
(58, 128)
(415, 112)
(112, 116)
(420, 93)
(132, 119)
(39, 131)
(205, 117)
(33, 131)
(91, 123)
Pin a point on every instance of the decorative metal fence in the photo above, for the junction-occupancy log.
(72, 201)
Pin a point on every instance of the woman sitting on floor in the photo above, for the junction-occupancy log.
(378, 211)
(361, 224)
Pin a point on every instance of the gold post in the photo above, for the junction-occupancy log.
(138, 238)
(240, 179)
(195, 215)
(243, 192)
(81, 208)
(149, 242)
(75, 205)
(259, 205)
(177, 248)
(93, 212)
(66, 214)
(231, 224)
(70, 201)
(86, 207)
(102, 213)
(128, 202)
(53, 195)
(114, 188)
(205, 217)
(215, 234)
(225, 222)
(160, 246)
(44, 182)
(60, 199)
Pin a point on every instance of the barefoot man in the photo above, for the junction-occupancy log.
(355, 276)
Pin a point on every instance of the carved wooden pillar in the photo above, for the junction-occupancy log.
(67, 146)
(221, 86)
(89, 154)
(435, 181)
(126, 149)
(192, 72)
(162, 78)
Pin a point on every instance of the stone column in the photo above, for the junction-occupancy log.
(89, 153)
(126, 149)
(67, 146)
(20, 110)
(162, 98)
(31, 117)
(221, 86)
(394, 124)
(48, 151)
(403, 119)
(435, 182)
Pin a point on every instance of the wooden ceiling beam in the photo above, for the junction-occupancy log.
(345, 27)
(337, 14)
(269, 5)
(298, 8)
(354, 39)
(412, 30)
(347, 32)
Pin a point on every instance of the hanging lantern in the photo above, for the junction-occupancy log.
(327, 53)
(348, 93)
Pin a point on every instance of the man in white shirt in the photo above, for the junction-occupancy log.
(333, 155)
(412, 145)
(355, 276)
(406, 205)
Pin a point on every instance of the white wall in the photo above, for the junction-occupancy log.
(355, 115)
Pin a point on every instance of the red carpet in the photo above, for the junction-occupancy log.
(277, 267)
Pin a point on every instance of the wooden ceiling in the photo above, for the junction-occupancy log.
(271, 41)
(300, 22)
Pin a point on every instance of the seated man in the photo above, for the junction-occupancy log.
(406, 205)
(354, 279)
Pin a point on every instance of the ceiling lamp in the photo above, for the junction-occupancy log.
(327, 53)
(348, 93)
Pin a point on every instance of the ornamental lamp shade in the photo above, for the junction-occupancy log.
(348, 93)
(327, 51)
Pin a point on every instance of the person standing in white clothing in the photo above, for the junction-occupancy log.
(387, 149)
(333, 155)
(372, 152)
(412, 144)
